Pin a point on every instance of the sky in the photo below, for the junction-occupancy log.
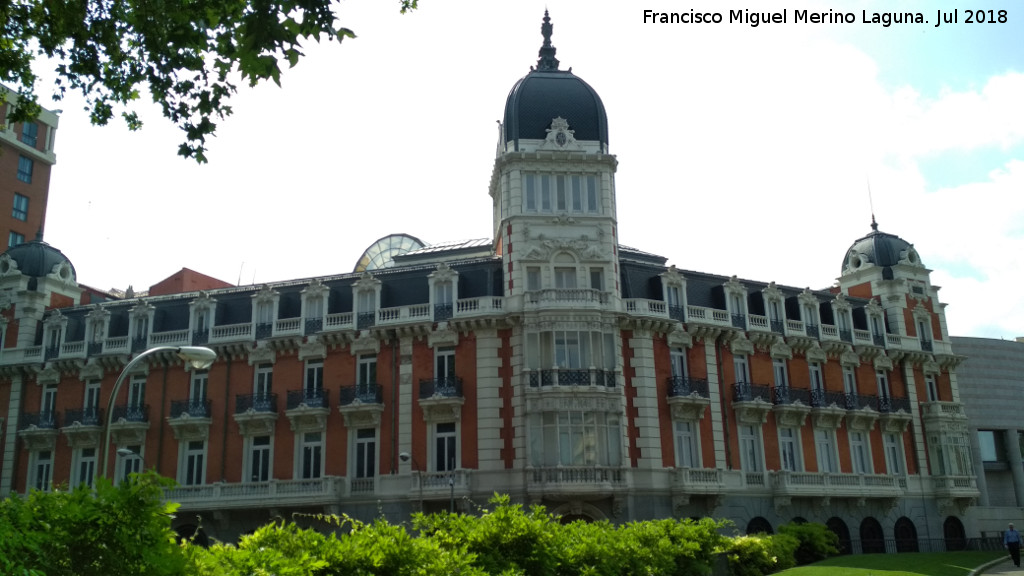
(755, 151)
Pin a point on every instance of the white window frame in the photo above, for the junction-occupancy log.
(931, 384)
(313, 375)
(882, 379)
(83, 467)
(533, 278)
(444, 364)
(816, 375)
(741, 368)
(450, 438)
(781, 372)
(254, 452)
(677, 358)
(849, 380)
(825, 451)
(687, 440)
(565, 277)
(263, 380)
(751, 448)
(48, 400)
(893, 446)
(313, 441)
(92, 396)
(860, 452)
(365, 457)
(128, 463)
(575, 438)
(561, 193)
(790, 454)
(137, 391)
(41, 470)
(198, 386)
(189, 452)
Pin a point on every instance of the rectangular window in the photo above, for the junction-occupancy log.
(366, 376)
(593, 205)
(849, 380)
(560, 193)
(577, 194)
(259, 459)
(444, 364)
(20, 210)
(315, 306)
(444, 447)
(195, 463)
(30, 133)
(312, 455)
(686, 445)
(366, 452)
(740, 368)
(565, 278)
(314, 381)
(42, 470)
(530, 192)
(91, 403)
(48, 405)
(893, 454)
(932, 387)
(14, 239)
(860, 453)
(826, 451)
(989, 446)
(197, 391)
(137, 391)
(883, 383)
(86, 467)
(545, 193)
(533, 278)
(817, 383)
(443, 293)
(678, 358)
(789, 448)
(575, 439)
(129, 464)
(750, 448)
(781, 376)
(597, 279)
(25, 167)
(264, 381)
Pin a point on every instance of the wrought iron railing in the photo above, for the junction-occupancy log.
(44, 419)
(812, 330)
(571, 377)
(788, 395)
(739, 321)
(365, 320)
(778, 326)
(366, 393)
(878, 339)
(310, 397)
(450, 387)
(926, 345)
(888, 404)
(92, 416)
(443, 312)
(131, 413)
(313, 325)
(200, 337)
(686, 386)
(264, 330)
(677, 313)
(748, 392)
(199, 408)
(846, 335)
(256, 403)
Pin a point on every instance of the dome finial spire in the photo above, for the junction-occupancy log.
(547, 60)
(874, 225)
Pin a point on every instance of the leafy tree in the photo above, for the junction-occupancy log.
(187, 52)
(112, 531)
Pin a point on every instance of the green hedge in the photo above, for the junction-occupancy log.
(125, 530)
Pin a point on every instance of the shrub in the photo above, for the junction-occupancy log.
(817, 542)
(761, 554)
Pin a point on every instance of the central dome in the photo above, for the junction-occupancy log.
(547, 93)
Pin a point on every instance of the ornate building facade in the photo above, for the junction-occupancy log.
(548, 362)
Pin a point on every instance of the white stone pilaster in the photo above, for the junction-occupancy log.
(405, 402)
(646, 400)
(714, 388)
(920, 448)
(489, 403)
(11, 437)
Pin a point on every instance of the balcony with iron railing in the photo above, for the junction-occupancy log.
(575, 298)
(43, 420)
(92, 416)
(308, 397)
(130, 413)
(570, 377)
(191, 408)
(687, 397)
(368, 393)
(448, 387)
(255, 403)
(749, 392)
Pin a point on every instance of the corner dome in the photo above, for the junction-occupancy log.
(880, 249)
(37, 259)
(547, 93)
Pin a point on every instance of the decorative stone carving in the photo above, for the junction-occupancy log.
(82, 436)
(262, 354)
(48, 375)
(91, 371)
(187, 428)
(791, 415)
(128, 433)
(542, 247)
(740, 345)
(688, 408)
(883, 362)
(312, 348)
(443, 335)
(894, 422)
(308, 419)
(861, 420)
(752, 412)
(827, 417)
(680, 339)
(35, 438)
(361, 414)
(560, 137)
(780, 350)
(849, 358)
(253, 423)
(364, 344)
(442, 409)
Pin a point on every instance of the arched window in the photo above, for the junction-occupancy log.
(759, 525)
(954, 534)
(872, 539)
(906, 535)
(839, 528)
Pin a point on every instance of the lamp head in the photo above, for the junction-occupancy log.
(404, 456)
(198, 357)
(126, 453)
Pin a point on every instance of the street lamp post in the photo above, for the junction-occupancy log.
(199, 357)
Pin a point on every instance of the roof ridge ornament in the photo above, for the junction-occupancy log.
(547, 60)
